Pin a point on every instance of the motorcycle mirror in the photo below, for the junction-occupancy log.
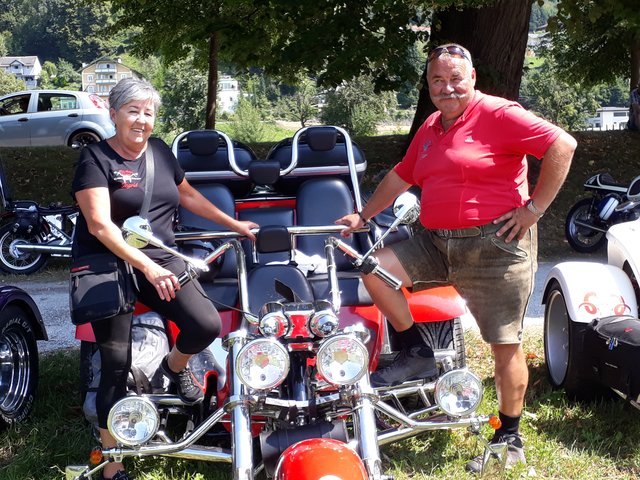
(136, 231)
(406, 208)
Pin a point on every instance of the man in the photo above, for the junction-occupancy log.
(469, 158)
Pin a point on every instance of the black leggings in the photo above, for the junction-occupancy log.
(191, 310)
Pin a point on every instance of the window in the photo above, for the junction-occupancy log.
(56, 101)
(91, 89)
(620, 114)
(15, 105)
(123, 75)
(90, 77)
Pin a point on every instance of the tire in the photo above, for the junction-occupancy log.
(17, 263)
(18, 365)
(87, 349)
(563, 357)
(583, 239)
(83, 138)
(446, 336)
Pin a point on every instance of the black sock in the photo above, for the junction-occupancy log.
(510, 425)
(410, 337)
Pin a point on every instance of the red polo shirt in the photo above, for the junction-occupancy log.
(477, 170)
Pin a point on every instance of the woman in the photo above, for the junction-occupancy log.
(109, 187)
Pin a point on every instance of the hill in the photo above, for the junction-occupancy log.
(43, 174)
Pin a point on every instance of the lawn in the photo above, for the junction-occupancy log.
(563, 440)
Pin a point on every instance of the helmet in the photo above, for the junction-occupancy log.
(320, 459)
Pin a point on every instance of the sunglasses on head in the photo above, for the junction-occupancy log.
(453, 50)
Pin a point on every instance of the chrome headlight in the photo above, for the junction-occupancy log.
(262, 364)
(458, 392)
(273, 321)
(324, 323)
(133, 420)
(342, 360)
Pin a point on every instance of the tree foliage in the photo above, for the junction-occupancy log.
(9, 83)
(593, 42)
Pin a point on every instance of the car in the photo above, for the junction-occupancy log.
(53, 117)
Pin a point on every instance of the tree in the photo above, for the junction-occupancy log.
(9, 83)
(496, 35)
(594, 42)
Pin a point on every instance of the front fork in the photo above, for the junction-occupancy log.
(366, 432)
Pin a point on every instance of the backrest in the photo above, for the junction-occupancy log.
(281, 216)
(321, 151)
(321, 201)
(222, 198)
(204, 156)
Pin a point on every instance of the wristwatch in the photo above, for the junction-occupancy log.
(533, 209)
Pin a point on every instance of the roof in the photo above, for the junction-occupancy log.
(28, 61)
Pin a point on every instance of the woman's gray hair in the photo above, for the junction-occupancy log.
(129, 89)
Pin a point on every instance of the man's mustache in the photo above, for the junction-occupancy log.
(451, 96)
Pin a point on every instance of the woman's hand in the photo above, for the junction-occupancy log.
(165, 282)
(244, 228)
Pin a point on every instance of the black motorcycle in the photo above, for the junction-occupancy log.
(610, 203)
(31, 233)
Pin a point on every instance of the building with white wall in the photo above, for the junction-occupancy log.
(609, 118)
(27, 69)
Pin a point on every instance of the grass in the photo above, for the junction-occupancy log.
(563, 440)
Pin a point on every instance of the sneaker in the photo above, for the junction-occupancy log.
(189, 390)
(515, 452)
(415, 363)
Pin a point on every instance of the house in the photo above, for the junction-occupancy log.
(228, 94)
(609, 118)
(100, 76)
(27, 69)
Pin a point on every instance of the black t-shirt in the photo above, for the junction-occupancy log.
(101, 166)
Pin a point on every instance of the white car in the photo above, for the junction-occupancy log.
(53, 117)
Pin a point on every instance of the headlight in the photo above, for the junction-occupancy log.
(342, 360)
(262, 364)
(273, 321)
(458, 392)
(324, 323)
(133, 420)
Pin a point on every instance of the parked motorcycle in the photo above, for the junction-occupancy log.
(21, 326)
(611, 203)
(31, 233)
(296, 380)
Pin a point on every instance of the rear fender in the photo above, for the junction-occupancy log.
(436, 304)
(593, 290)
(10, 295)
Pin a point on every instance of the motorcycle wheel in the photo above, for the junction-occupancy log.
(562, 354)
(14, 262)
(87, 349)
(583, 239)
(446, 336)
(18, 365)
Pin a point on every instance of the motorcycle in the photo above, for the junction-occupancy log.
(31, 233)
(611, 203)
(290, 393)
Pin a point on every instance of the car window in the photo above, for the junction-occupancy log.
(15, 105)
(56, 101)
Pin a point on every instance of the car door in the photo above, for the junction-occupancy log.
(55, 115)
(15, 120)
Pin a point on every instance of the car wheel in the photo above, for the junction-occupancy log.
(83, 138)
(562, 352)
(18, 365)
(19, 263)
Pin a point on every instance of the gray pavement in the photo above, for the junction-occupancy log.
(52, 298)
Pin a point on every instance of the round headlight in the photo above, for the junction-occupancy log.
(273, 321)
(342, 360)
(458, 392)
(262, 364)
(133, 420)
(324, 323)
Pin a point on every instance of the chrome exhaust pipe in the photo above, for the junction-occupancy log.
(49, 249)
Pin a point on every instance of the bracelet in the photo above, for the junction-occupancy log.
(364, 220)
(533, 209)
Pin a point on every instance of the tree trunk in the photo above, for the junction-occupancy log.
(495, 35)
(635, 62)
(212, 80)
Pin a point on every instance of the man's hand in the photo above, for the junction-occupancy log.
(517, 223)
(353, 221)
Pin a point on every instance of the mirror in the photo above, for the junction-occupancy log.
(406, 207)
(136, 231)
